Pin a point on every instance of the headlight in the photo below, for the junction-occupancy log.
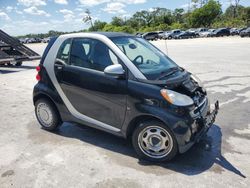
(176, 98)
(196, 79)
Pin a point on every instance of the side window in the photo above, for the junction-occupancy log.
(63, 52)
(91, 54)
(79, 53)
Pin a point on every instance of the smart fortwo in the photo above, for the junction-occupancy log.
(124, 85)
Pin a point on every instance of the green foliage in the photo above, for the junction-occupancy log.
(235, 22)
(246, 16)
(205, 13)
(112, 28)
(177, 25)
(98, 26)
(117, 21)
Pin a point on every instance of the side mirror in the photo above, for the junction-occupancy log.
(114, 70)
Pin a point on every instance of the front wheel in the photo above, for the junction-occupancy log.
(47, 115)
(153, 141)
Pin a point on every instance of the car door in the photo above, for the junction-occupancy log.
(82, 79)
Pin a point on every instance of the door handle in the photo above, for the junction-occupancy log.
(59, 64)
(59, 67)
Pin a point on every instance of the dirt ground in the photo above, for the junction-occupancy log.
(78, 156)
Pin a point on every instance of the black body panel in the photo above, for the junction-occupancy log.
(95, 94)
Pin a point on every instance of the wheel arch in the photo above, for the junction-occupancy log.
(44, 96)
(139, 119)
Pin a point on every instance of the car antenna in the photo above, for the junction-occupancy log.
(166, 47)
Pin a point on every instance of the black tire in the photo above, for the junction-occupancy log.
(139, 133)
(44, 106)
(169, 38)
(18, 63)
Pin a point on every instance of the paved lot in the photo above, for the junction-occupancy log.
(83, 157)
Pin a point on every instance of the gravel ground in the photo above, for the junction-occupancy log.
(78, 156)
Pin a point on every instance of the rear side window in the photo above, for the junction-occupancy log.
(64, 50)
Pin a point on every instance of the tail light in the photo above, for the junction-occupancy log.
(38, 76)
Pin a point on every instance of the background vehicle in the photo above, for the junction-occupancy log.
(241, 29)
(23, 40)
(124, 85)
(185, 35)
(160, 34)
(165, 34)
(46, 40)
(245, 33)
(234, 31)
(220, 32)
(34, 40)
(192, 30)
(200, 31)
(172, 34)
(207, 33)
(14, 52)
(150, 36)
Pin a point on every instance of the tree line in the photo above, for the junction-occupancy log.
(200, 13)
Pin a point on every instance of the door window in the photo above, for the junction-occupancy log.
(91, 54)
(63, 52)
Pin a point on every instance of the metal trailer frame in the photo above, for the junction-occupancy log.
(12, 50)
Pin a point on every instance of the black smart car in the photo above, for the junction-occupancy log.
(124, 85)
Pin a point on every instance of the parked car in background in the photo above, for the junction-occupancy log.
(245, 33)
(46, 40)
(160, 34)
(200, 31)
(31, 40)
(23, 40)
(241, 29)
(207, 33)
(172, 33)
(220, 32)
(139, 34)
(165, 34)
(150, 36)
(234, 31)
(185, 35)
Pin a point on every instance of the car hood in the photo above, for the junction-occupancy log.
(181, 81)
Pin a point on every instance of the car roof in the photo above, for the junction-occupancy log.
(107, 34)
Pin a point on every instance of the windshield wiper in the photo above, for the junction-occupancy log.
(168, 73)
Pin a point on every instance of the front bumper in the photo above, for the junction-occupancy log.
(202, 123)
(207, 121)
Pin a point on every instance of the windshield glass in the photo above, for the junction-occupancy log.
(147, 58)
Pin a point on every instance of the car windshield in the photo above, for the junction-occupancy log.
(146, 57)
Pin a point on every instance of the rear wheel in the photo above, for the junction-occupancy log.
(153, 141)
(47, 115)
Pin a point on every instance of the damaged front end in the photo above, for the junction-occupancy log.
(197, 117)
